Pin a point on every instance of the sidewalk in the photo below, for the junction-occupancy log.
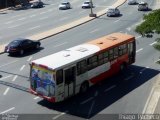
(52, 32)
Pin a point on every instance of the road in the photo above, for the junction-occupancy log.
(123, 93)
(24, 23)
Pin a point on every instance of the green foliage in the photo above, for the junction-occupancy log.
(157, 45)
(151, 23)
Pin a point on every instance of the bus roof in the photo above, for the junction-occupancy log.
(112, 40)
(79, 52)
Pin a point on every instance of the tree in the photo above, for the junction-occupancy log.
(150, 25)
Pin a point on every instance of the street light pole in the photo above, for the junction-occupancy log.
(92, 14)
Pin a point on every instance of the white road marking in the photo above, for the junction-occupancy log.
(34, 28)
(113, 86)
(29, 58)
(94, 31)
(36, 98)
(91, 109)
(5, 77)
(6, 91)
(60, 44)
(50, 10)
(144, 69)
(32, 16)
(139, 50)
(128, 78)
(13, 26)
(57, 116)
(129, 29)
(53, 4)
(22, 18)
(8, 22)
(15, 77)
(8, 63)
(138, 37)
(117, 20)
(81, 12)
(43, 18)
(7, 110)
(22, 67)
(86, 100)
(42, 13)
(153, 43)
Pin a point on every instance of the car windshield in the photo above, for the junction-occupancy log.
(15, 43)
(86, 2)
(63, 3)
(111, 10)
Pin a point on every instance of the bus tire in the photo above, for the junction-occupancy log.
(123, 66)
(84, 87)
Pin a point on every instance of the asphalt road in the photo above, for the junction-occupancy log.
(123, 93)
(24, 23)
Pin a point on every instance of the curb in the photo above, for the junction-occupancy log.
(43, 35)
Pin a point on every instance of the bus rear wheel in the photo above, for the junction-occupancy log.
(84, 87)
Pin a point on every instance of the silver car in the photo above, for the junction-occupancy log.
(143, 6)
(64, 6)
(87, 4)
(113, 12)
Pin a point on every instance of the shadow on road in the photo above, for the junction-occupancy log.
(102, 95)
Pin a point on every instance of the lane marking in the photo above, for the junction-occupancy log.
(91, 109)
(7, 110)
(50, 10)
(93, 31)
(113, 86)
(81, 12)
(32, 16)
(65, 18)
(5, 77)
(42, 13)
(143, 69)
(57, 116)
(116, 20)
(36, 98)
(139, 50)
(128, 78)
(15, 77)
(8, 63)
(22, 18)
(43, 18)
(22, 67)
(8, 22)
(89, 99)
(6, 91)
(153, 43)
(129, 29)
(138, 37)
(60, 44)
(34, 28)
(13, 26)
(29, 58)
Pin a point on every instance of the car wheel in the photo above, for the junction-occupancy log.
(21, 52)
(84, 87)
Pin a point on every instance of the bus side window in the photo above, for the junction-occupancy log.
(122, 49)
(111, 54)
(100, 59)
(81, 67)
(92, 62)
(106, 56)
(59, 77)
(115, 52)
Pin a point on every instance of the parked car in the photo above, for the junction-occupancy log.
(37, 4)
(143, 6)
(113, 12)
(21, 45)
(87, 4)
(132, 2)
(64, 6)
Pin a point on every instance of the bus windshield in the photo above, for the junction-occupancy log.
(42, 81)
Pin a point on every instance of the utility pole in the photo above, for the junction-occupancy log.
(92, 14)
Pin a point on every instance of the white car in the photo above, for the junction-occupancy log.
(87, 4)
(143, 6)
(64, 6)
(132, 2)
(113, 12)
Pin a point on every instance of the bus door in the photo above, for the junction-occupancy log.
(132, 51)
(69, 81)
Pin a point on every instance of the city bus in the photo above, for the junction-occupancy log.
(71, 71)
